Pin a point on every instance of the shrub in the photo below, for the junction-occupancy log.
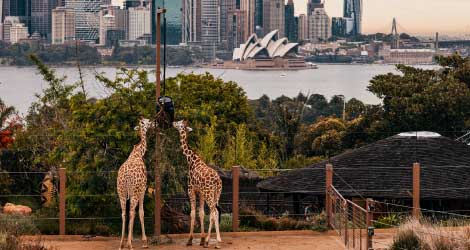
(387, 221)
(11, 230)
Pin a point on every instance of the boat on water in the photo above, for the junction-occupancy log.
(311, 65)
(284, 74)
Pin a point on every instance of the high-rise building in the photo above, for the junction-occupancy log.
(191, 21)
(259, 18)
(210, 27)
(249, 9)
(342, 26)
(63, 25)
(173, 17)
(87, 20)
(122, 21)
(107, 22)
(303, 27)
(273, 16)
(353, 9)
(313, 4)
(139, 22)
(41, 16)
(235, 24)
(226, 10)
(319, 25)
(291, 22)
(18, 8)
(113, 36)
(18, 31)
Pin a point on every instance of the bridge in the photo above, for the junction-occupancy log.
(454, 43)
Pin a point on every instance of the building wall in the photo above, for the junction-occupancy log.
(107, 22)
(63, 25)
(259, 17)
(353, 9)
(41, 16)
(303, 27)
(226, 9)
(319, 25)
(291, 22)
(7, 24)
(139, 22)
(235, 28)
(18, 31)
(86, 18)
(191, 21)
(273, 16)
(249, 9)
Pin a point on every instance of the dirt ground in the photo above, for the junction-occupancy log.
(298, 240)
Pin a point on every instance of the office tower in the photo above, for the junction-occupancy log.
(18, 31)
(313, 4)
(273, 16)
(226, 9)
(353, 9)
(210, 27)
(41, 16)
(18, 8)
(235, 22)
(113, 36)
(107, 22)
(87, 21)
(139, 22)
(122, 21)
(249, 8)
(63, 25)
(319, 25)
(259, 18)
(135, 3)
(191, 21)
(290, 22)
(173, 19)
(342, 26)
(303, 27)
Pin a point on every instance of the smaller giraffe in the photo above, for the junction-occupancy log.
(203, 181)
(132, 184)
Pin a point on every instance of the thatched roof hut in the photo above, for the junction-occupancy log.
(383, 170)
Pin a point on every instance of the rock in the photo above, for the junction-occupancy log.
(17, 209)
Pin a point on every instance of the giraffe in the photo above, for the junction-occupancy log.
(132, 184)
(203, 181)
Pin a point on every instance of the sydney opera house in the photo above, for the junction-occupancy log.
(269, 52)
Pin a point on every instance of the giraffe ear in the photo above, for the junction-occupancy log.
(189, 129)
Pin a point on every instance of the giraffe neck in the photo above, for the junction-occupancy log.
(190, 155)
(141, 147)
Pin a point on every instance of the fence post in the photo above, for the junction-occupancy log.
(416, 190)
(62, 197)
(235, 197)
(329, 183)
(369, 218)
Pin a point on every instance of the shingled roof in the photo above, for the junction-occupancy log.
(384, 170)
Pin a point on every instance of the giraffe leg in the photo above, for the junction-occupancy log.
(201, 218)
(131, 222)
(211, 221)
(192, 198)
(216, 222)
(141, 217)
(123, 215)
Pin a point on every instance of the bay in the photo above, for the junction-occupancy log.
(18, 85)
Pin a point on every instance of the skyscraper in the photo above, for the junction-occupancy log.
(313, 4)
(249, 8)
(41, 16)
(19, 8)
(273, 16)
(319, 25)
(353, 9)
(210, 27)
(303, 27)
(342, 26)
(173, 19)
(226, 10)
(290, 22)
(63, 25)
(191, 21)
(139, 22)
(235, 23)
(87, 21)
(259, 18)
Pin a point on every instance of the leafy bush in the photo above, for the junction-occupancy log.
(388, 221)
(408, 240)
(11, 230)
(252, 220)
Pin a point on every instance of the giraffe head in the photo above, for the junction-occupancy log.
(144, 125)
(182, 126)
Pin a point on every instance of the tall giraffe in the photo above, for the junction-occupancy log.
(203, 181)
(132, 184)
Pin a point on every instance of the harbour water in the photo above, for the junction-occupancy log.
(18, 86)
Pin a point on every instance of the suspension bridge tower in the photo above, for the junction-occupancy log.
(395, 35)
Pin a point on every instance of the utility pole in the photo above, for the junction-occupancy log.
(157, 215)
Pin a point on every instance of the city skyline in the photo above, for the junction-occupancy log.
(420, 17)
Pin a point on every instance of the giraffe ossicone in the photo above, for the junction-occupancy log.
(204, 182)
(132, 184)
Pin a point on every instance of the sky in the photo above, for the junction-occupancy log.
(418, 17)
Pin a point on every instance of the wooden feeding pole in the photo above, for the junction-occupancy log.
(416, 190)
(157, 215)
